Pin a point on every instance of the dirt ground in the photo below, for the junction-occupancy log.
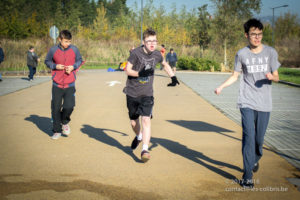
(195, 149)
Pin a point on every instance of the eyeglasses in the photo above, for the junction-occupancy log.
(255, 35)
(151, 41)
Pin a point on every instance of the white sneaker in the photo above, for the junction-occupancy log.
(66, 129)
(55, 136)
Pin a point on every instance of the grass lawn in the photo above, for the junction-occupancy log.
(289, 75)
(285, 74)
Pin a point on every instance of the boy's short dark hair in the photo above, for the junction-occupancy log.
(253, 23)
(148, 32)
(31, 47)
(65, 34)
(171, 49)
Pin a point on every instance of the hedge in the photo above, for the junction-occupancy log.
(198, 64)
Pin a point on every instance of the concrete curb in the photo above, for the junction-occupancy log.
(289, 83)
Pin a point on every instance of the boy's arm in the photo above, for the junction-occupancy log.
(228, 82)
(168, 69)
(49, 60)
(171, 74)
(78, 59)
(36, 57)
(129, 71)
(274, 76)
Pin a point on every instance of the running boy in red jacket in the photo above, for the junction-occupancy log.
(64, 60)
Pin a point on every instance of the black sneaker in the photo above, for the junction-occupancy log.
(135, 143)
(247, 184)
(256, 167)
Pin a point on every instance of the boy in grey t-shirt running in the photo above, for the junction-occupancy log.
(258, 65)
(139, 88)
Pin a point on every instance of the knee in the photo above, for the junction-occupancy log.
(146, 121)
(134, 123)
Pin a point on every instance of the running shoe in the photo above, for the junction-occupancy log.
(55, 136)
(66, 129)
(145, 156)
(135, 143)
(256, 167)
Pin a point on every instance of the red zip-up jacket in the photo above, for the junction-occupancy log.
(66, 57)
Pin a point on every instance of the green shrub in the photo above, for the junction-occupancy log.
(197, 64)
(183, 63)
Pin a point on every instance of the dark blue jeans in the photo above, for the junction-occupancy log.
(32, 71)
(254, 124)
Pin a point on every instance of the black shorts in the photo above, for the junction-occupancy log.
(139, 106)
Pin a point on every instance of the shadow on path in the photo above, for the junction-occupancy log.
(205, 127)
(197, 157)
(101, 135)
(43, 123)
(26, 79)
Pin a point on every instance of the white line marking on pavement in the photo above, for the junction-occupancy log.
(112, 83)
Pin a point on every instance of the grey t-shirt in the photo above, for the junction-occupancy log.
(255, 89)
(141, 86)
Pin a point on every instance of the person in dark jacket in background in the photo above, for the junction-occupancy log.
(1, 58)
(32, 61)
(172, 59)
(64, 60)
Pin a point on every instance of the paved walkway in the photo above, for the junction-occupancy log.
(12, 84)
(195, 149)
(283, 134)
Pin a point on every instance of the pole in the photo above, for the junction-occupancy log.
(273, 23)
(141, 22)
(273, 28)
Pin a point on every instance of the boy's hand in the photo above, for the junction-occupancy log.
(146, 72)
(69, 69)
(269, 76)
(174, 81)
(218, 91)
(60, 67)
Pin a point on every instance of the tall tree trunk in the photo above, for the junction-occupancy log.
(201, 51)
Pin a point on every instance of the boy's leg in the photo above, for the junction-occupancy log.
(68, 105)
(56, 103)
(146, 112)
(30, 76)
(135, 124)
(261, 127)
(146, 123)
(132, 105)
(33, 71)
(248, 142)
(136, 127)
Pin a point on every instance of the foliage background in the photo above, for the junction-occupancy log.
(105, 30)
